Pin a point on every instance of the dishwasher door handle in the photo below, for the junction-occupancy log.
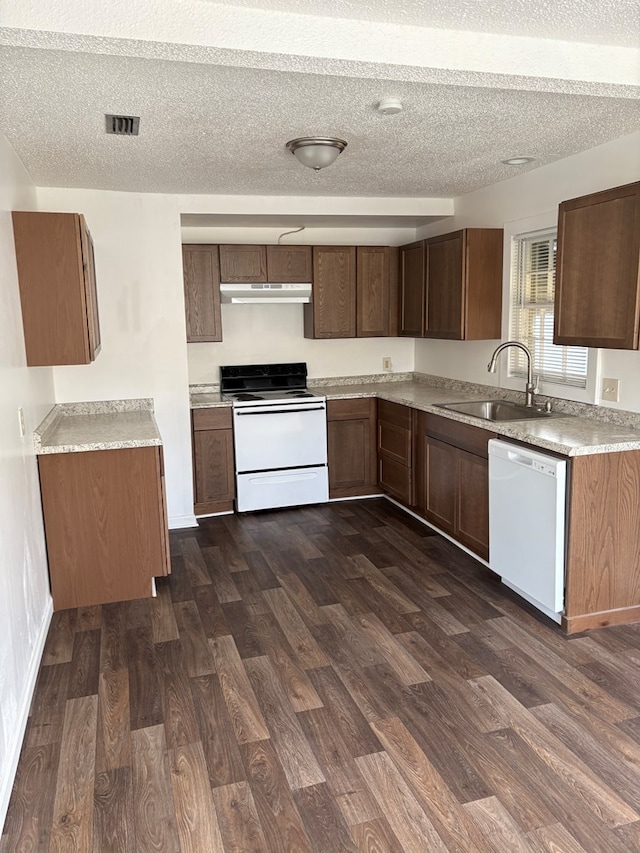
(520, 459)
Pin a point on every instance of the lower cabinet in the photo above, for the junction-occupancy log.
(105, 523)
(453, 479)
(351, 436)
(213, 463)
(395, 451)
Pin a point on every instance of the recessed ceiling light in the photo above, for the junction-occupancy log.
(518, 161)
(390, 106)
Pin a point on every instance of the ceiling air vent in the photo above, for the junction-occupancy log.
(123, 125)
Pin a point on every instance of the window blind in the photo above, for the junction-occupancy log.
(533, 278)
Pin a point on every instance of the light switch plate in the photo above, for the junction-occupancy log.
(21, 426)
(386, 363)
(611, 390)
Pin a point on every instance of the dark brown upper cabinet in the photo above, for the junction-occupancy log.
(411, 290)
(451, 286)
(376, 291)
(56, 274)
(201, 272)
(464, 285)
(261, 264)
(287, 264)
(332, 311)
(597, 297)
(243, 264)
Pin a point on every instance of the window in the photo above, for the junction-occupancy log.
(533, 276)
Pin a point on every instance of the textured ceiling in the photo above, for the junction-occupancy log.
(599, 21)
(215, 116)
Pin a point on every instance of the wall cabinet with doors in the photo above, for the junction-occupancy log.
(354, 292)
(351, 437)
(411, 290)
(451, 286)
(453, 479)
(597, 294)
(396, 451)
(263, 264)
(201, 273)
(332, 310)
(213, 460)
(56, 274)
(105, 521)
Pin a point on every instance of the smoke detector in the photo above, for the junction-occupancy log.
(390, 106)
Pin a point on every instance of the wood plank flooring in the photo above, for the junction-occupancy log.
(336, 678)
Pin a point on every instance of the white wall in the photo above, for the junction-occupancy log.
(537, 192)
(25, 603)
(259, 333)
(144, 352)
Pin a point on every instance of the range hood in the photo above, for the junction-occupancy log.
(265, 293)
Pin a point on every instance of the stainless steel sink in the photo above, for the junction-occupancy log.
(499, 410)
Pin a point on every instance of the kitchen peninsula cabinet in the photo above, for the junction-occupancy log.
(57, 279)
(597, 294)
(451, 286)
(213, 461)
(453, 479)
(105, 524)
(351, 437)
(395, 451)
(332, 310)
(201, 272)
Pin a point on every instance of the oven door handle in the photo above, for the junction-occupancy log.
(281, 411)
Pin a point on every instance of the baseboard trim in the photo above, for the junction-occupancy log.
(356, 498)
(437, 529)
(17, 735)
(601, 619)
(178, 522)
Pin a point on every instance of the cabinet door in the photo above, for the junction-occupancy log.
(444, 284)
(372, 291)
(243, 264)
(57, 288)
(332, 311)
(289, 264)
(472, 528)
(201, 271)
(411, 291)
(351, 437)
(213, 466)
(91, 294)
(597, 286)
(105, 524)
(440, 483)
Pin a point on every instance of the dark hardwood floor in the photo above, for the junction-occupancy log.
(328, 679)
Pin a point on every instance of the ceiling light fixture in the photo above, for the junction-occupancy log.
(316, 152)
(390, 106)
(518, 161)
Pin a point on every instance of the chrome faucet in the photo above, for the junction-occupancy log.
(530, 387)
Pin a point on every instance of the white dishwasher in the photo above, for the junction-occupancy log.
(527, 510)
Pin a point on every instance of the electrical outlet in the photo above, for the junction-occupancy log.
(611, 390)
(21, 422)
(386, 363)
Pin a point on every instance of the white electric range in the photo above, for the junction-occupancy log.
(279, 434)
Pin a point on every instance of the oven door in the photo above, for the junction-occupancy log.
(273, 436)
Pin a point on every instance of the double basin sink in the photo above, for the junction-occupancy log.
(500, 410)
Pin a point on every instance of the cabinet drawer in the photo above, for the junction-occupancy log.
(464, 436)
(394, 413)
(361, 407)
(215, 418)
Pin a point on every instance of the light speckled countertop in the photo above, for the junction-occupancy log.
(106, 425)
(573, 435)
